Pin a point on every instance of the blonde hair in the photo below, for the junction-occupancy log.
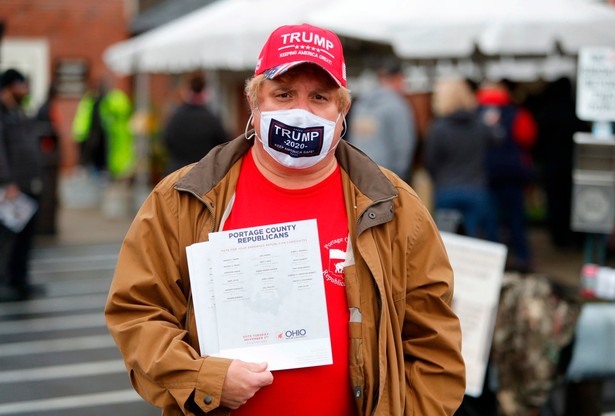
(452, 94)
(253, 86)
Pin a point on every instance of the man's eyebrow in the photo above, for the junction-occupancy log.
(323, 90)
(281, 88)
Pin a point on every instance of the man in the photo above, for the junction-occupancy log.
(395, 340)
(509, 167)
(20, 172)
(102, 127)
(193, 129)
(382, 123)
(49, 117)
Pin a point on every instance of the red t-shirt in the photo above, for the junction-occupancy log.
(312, 390)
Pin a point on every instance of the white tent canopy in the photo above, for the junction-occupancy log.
(420, 29)
(228, 34)
(225, 34)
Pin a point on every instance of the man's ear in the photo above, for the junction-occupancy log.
(347, 109)
(250, 103)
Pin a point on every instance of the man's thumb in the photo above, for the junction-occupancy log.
(257, 367)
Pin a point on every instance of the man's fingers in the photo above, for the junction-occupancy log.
(256, 367)
(263, 377)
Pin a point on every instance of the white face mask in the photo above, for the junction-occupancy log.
(296, 138)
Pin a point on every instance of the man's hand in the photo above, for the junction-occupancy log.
(242, 382)
(11, 191)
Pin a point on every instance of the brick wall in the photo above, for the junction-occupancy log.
(74, 29)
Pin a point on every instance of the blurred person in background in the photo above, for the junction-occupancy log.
(49, 118)
(455, 156)
(193, 129)
(395, 340)
(20, 172)
(382, 123)
(102, 127)
(510, 167)
(557, 122)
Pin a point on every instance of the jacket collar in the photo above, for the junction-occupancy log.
(362, 171)
(209, 171)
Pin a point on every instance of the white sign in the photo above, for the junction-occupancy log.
(479, 267)
(596, 84)
(259, 295)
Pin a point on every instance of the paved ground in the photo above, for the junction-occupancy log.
(56, 355)
(77, 226)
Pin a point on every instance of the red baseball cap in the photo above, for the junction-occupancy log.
(292, 45)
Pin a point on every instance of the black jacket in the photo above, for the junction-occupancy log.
(20, 156)
(191, 132)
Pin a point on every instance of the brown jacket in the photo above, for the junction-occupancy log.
(405, 346)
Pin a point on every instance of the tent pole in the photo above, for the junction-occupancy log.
(142, 139)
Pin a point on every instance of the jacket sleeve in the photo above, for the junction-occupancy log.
(434, 366)
(431, 150)
(5, 168)
(146, 312)
(525, 130)
(400, 132)
(83, 119)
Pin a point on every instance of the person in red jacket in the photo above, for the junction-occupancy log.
(509, 166)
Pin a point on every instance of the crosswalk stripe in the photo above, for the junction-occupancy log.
(72, 251)
(73, 267)
(56, 345)
(73, 263)
(37, 261)
(89, 320)
(53, 305)
(70, 402)
(62, 371)
(77, 287)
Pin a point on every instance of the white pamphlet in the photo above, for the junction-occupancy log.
(15, 213)
(201, 281)
(268, 295)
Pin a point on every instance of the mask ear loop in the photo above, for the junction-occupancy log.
(344, 127)
(245, 132)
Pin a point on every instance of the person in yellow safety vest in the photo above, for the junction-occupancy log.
(102, 126)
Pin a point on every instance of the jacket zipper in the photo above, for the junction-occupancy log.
(378, 296)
